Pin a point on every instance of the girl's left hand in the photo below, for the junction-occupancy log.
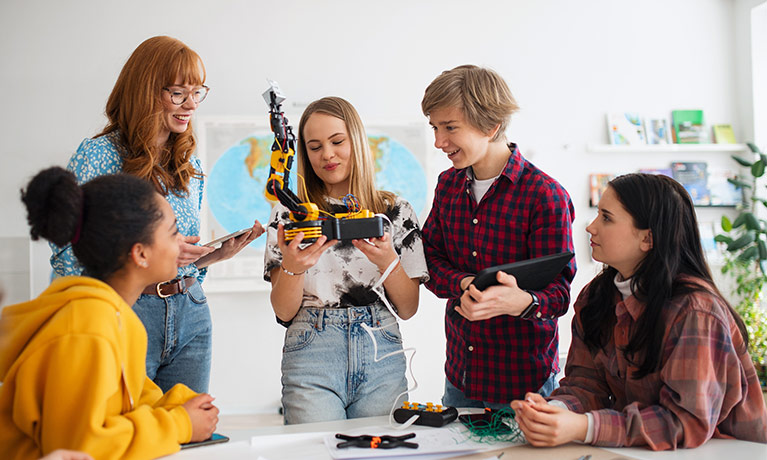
(547, 425)
(378, 250)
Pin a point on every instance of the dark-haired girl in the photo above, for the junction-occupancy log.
(72, 360)
(150, 136)
(658, 357)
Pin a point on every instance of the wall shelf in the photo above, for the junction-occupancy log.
(672, 148)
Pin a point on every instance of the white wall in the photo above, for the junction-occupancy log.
(759, 73)
(567, 64)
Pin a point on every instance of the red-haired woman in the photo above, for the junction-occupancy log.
(149, 135)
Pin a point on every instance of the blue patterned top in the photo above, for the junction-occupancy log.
(102, 156)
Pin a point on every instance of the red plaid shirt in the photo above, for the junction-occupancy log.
(706, 385)
(524, 214)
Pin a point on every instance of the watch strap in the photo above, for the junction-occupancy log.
(530, 309)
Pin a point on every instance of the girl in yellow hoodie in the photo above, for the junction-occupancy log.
(72, 361)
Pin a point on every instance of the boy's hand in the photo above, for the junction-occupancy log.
(505, 298)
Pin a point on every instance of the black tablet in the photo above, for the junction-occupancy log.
(532, 274)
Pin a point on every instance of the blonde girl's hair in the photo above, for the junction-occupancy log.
(362, 168)
(135, 110)
(481, 94)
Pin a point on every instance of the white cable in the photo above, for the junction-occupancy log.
(378, 289)
(392, 422)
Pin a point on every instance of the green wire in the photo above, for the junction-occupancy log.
(502, 427)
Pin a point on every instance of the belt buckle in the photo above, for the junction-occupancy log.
(159, 291)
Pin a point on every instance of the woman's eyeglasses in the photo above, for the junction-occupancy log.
(179, 96)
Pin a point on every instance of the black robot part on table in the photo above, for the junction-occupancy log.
(437, 417)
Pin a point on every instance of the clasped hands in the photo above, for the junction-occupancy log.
(546, 425)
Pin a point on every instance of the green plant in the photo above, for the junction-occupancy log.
(746, 257)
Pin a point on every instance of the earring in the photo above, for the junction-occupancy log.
(143, 264)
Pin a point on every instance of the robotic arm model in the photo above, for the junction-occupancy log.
(356, 224)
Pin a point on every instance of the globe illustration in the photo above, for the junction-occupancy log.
(235, 184)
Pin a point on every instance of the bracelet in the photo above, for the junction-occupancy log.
(282, 267)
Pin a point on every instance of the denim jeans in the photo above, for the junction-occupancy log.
(179, 334)
(328, 367)
(456, 398)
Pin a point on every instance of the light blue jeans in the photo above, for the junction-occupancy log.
(328, 367)
(179, 332)
(456, 398)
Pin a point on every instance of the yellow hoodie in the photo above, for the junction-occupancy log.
(73, 376)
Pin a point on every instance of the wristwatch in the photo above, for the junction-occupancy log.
(530, 310)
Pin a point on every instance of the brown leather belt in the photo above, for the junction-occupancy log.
(169, 288)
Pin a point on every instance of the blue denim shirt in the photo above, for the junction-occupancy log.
(102, 156)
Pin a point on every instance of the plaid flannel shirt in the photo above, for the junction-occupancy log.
(706, 385)
(524, 214)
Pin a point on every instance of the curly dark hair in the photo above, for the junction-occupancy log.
(111, 214)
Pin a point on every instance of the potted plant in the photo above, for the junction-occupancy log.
(745, 257)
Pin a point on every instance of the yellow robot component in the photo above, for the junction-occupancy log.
(305, 217)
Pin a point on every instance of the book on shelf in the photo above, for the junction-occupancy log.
(722, 191)
(707, 233)
(657, 130)
(662, 171)
(597, 186)
(625, 128)
(694, 177)
(723, 134)
(688, 127)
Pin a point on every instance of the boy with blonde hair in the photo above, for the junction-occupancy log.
(492, 207)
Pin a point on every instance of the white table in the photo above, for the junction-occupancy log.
(714, 449)
(299, 445)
